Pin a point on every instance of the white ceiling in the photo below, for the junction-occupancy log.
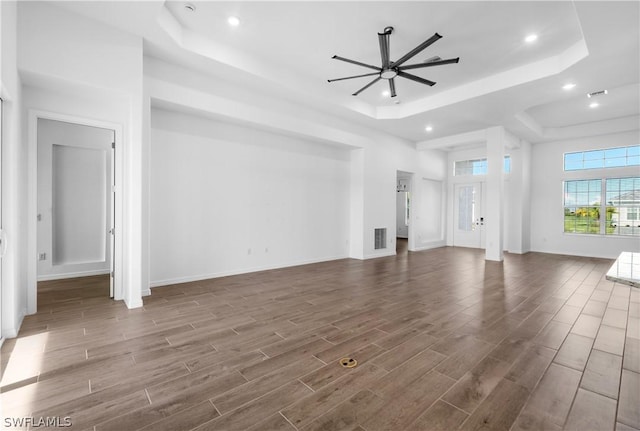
(285, 49)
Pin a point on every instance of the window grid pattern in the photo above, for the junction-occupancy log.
(602, 206)
(623, 206)
(582, 199)
(477, 167)
(607, 158)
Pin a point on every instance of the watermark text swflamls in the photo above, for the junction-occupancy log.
(33, 422)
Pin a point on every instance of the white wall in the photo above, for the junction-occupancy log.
(227, 199)
(14, 178)
(78, 58)
(547, 222)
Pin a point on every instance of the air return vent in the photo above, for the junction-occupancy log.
(380, 238)
(597, 93)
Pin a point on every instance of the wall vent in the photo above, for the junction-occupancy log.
(380, 238)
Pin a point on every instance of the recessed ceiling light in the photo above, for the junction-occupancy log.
(386, 93)
(428, 128)
(189, 7)
(233, 21)
(568, 86)
(594, 105)
(531, 38)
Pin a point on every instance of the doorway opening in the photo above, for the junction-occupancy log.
(403, 211)
(75, 204)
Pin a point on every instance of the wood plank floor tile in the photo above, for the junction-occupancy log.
(439, 417)
(615, 318)
(594, 308)
(610, 339)
(631, 359)
(628, 411)
(313, 406)
(392, 340)
(510, 349)
(275, 422)
(552, 398)
(574, 352)
(395, 382)
(476, 384)
(333, 370)
(553, 335)
(568, 314)
(271, 364)
(248, 342)
(338, 351)
(404, 351)
(461, 362)
(408, 405)
(263, 407)
(186, 419)
(244, 393)
(348, 414)
(500, 409)
(591, 411)
(586, 326)
(530, 367)
(602, 374)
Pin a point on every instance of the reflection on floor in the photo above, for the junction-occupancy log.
(443, 340)
(402, 245)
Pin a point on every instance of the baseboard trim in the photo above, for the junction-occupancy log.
(385, 254)
(72, 275)
(137, 303)
(13, 331)
(188, 279)
(430, 246)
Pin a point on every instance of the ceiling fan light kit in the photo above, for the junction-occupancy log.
(389, 70)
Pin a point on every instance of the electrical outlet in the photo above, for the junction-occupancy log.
(249, 251)
(266, 249)
(42, 256)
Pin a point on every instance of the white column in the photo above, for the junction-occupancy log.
(356, 238)
(493, 213)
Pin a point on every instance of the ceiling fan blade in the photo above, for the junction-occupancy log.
(392, 87)
(356, 76)
(429, 64)
(356, 62)
(366, 86)
(416, 50)
(415, 78)
(383, 38)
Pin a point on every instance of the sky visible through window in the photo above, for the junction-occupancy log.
(608, 158)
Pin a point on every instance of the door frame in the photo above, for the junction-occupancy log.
(32, 204)
(412, 217)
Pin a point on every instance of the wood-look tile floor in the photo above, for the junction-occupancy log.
(443, 340)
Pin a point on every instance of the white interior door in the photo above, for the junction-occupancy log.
(468, 220)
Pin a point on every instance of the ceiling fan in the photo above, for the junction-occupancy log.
(390, 69)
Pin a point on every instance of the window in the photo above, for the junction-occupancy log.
(623, 205)
(582, 206)
(477, 167)
(507, 164)
(607, 158)
(602, 206)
